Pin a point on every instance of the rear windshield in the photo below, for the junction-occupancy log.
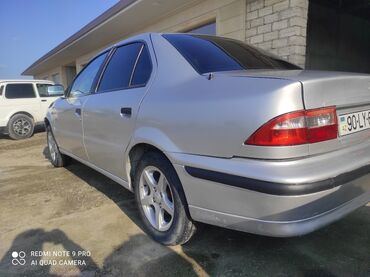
(211, 54)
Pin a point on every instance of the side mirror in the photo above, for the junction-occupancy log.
(56, 90)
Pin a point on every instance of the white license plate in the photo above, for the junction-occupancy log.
(353, 122)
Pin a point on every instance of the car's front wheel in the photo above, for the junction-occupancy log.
(20, 126)
(161, 201)
(56, 158)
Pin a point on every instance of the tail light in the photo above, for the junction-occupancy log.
(301, 127)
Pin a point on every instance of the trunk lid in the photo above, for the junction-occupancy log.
(349, 92)
(320, 88)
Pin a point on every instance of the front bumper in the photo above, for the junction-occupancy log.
(293, 198)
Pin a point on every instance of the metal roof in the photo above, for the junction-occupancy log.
(125, 18)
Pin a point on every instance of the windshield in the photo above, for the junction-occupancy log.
(49, 90)
(212, 54)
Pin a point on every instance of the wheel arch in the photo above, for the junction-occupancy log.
(135, 155)
(47, 122)
(22, 112)
(145, 139)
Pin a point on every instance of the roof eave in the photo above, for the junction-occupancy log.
(122, 4)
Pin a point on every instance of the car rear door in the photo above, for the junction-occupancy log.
(67, 112)
(109, 114)
(19, 97)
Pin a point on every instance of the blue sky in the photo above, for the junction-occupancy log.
(30, 28)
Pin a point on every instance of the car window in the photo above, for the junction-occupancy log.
(83, 84)
(143, 69)
(211, 54)
(1, 90)
(16, 91)
(43, 91)
(118, 72)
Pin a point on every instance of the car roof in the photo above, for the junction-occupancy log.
(143, 37)
(25, 81)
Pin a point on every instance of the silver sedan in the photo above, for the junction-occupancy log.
(209, 129)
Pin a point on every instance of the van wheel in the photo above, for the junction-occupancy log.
(161, 201)
(56, 158)
(20, 126)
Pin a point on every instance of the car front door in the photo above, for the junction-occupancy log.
(46, 98)
(109, 114)
(67, 112)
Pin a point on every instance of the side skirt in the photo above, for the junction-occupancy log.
(120, 181)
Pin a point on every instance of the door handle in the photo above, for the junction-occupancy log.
(43, 100)
(78, 112)
(126, 112)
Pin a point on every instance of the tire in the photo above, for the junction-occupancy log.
(56, 158)
(161, 194)
(20, 126)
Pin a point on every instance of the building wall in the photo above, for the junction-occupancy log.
(49, 74)
(231, 20)
(275, 25)
(62, 73)
(278, 26)
(228, 14)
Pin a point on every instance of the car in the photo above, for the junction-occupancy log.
(23, 104)
(209, 129)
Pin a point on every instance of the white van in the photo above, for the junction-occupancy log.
(23, 104)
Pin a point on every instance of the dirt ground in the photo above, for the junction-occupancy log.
(77, 211)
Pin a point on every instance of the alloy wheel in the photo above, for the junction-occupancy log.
(52, 147)
(22, 127)
(156, 198)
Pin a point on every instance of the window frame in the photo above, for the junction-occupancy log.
(198, 26)
(113, 50)
(23, 83)
(93, 86)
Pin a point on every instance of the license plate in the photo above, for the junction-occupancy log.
(353, 122)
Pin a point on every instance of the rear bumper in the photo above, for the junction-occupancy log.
(275, 198)
(277, 188)
(276, 228)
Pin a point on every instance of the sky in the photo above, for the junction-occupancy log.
(31, 28)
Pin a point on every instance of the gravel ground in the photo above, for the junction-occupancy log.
(77, 211)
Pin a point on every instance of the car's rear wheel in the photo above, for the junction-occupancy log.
(20, 126)
(161, 201)
(56, 158)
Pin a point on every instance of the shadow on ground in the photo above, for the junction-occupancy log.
(123, 198)
(133, 258)
(341, 249)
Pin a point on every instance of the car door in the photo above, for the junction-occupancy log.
(109, 114)
(67, 112)
(46, 98)
(20, 97)
(2, 110)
